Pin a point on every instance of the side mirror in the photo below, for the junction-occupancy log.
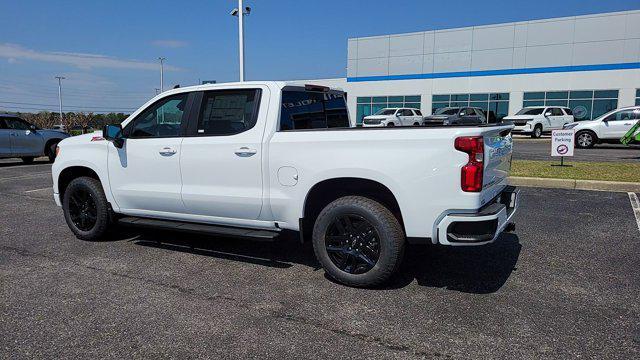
(548, 113)
(113, 133)
(33, 128)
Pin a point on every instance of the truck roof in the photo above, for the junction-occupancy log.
(279, 84)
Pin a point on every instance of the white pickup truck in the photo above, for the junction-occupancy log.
(254, 159)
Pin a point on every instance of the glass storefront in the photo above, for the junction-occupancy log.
(495, 105)
(585, 104)
(368, 105)
(637, 97)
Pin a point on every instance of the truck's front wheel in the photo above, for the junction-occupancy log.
(86, 209)
(358, 241)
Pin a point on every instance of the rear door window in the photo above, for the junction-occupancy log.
(227, 112)
(418, 112)
(301, 109)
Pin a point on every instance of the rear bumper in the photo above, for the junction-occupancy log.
(481, 227)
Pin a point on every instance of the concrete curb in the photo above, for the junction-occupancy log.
(576, 184)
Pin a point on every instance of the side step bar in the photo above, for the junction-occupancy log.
(260, 235)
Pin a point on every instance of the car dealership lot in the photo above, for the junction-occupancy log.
(564, 284)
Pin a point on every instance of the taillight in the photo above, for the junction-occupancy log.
(471, 177)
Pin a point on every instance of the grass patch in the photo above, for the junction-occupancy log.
(607, 171)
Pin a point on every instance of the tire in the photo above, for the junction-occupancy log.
(537, 132)
(50, 150)
(27, 159)
(391, 124)
(377, 231)
(86, 191)
(585, 139)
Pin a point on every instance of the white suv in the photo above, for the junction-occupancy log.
(394, 117)
(536, 120)
(610, 127)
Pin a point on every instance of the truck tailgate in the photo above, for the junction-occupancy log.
(498, 148)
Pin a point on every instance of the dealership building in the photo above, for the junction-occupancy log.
(589, 63)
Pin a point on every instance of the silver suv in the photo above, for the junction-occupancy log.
(20, 139)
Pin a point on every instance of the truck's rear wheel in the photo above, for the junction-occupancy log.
(86, 209)
(358, 241)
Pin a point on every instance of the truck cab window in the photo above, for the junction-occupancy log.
(313, 110)
(228, 112)
(162, 119)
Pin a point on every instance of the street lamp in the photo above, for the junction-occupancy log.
(60, 78)
(241, 12)
(162, 73)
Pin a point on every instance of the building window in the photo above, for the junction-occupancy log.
(495, 105)
(369, 105)
(637, 97)
(585, 104)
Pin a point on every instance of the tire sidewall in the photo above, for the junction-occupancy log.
(390, 249)
(102, 208)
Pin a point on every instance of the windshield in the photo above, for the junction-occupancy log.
(529, 111)
(386, 112)
(447, 111)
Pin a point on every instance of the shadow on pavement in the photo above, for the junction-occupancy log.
(480, 270)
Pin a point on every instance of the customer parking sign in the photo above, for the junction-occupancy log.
(562, 142)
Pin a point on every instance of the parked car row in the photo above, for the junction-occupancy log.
(389, 117)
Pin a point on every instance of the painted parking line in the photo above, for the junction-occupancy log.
(30, 191)
(635, 204)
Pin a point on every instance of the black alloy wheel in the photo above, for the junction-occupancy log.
(353, 244)
(86, 209)
(82, 209)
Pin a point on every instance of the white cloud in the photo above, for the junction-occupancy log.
(83, 61)
(169, 43)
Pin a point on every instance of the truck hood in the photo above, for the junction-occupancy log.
(53, 133)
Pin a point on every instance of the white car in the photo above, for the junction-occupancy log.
(536, 120)
(610, 127)
(394, 117)
(253, 159)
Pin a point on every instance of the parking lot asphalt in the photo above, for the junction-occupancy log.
(565, 284)
(526, 148)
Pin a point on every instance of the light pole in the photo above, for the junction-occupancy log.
(162, 73)
(241, 12)
(60, 78)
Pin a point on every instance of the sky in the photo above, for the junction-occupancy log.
(108, 50)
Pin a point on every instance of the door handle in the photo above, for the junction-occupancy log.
(245, 152)
(167, 151)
